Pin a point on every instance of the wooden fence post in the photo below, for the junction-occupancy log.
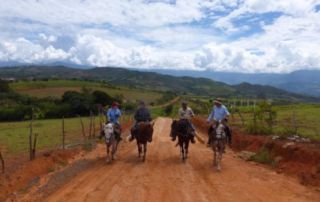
(30, 138)
(34, 145)
(94, 125)
(90, 125)
(2, 162)
(82, 126)
(63, 134)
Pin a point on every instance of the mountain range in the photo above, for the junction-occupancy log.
(185, 85)
(302, 81)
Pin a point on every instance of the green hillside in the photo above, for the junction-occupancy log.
(154, 82)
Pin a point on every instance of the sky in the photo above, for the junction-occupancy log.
(220, 35)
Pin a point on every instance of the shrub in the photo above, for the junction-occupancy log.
(168, 110)
(102, 98)
(263, 156)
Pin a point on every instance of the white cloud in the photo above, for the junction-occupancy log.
(182, 34)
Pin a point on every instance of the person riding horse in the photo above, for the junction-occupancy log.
(113, 114)
(186, 114)
(141, 115)
(219, 113)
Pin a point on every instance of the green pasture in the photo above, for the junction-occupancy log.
(56, 88)
(305, 117)
(14, 136)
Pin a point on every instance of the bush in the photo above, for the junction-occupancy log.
(263, 156)
(4, 86)
(258, 129)
(102, 98)
(17, 113)
(168, 110)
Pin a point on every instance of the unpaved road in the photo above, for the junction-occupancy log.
(163, 177)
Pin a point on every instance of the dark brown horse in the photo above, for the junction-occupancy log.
(142, 135)
(183, 130)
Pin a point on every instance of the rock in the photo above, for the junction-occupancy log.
(277, 159)
(288, 144)
(246, 155)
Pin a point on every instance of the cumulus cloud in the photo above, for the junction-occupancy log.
(220, 35)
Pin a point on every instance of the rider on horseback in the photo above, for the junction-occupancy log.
(142, 115)
(186, 113)
(219, 113)
(113, 114)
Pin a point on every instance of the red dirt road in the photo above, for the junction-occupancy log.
(163, 177)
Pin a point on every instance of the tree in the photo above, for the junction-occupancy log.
(4, 86)
(80, 103)
(102, 98)
(168, 110)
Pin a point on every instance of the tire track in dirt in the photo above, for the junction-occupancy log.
(163, 177)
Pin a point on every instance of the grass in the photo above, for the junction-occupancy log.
(56, 88)
(307, 119)
(263, 156)
(15, 135)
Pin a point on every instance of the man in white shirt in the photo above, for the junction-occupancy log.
(186, 113)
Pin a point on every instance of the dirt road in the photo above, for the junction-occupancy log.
(163, 177)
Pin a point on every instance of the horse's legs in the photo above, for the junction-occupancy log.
(139, 149)
(114, 149)
(182, 151)
(214, 148)
(108, 151)
(220, 151)
(187, 148)
(144, 151)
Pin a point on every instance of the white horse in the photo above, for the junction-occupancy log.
(218, 136)
(111, 141)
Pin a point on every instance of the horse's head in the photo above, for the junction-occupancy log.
(108, 131)
(146, 127)
(220, 129)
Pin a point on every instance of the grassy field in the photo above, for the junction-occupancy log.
(14, 135)
(56, 88)
(306, 117)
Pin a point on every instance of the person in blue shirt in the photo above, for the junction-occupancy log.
(113, 114)
(219, 113)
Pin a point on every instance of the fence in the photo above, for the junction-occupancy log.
(27, 137)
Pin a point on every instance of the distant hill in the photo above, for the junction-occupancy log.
(154, 81)
(303, 81)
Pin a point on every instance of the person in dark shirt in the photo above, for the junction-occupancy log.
(141, 115)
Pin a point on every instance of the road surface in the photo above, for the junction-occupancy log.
(163, 177)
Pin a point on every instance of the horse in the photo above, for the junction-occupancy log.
(183, 130)
(142, 134)
(109, 131)
(217, 136)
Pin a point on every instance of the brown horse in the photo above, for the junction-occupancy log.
(142, 134)
(183, 130)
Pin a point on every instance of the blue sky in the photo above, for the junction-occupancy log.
(220, 35)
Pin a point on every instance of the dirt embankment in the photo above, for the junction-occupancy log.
(22, 174)
(28, 173)
(300, 160)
